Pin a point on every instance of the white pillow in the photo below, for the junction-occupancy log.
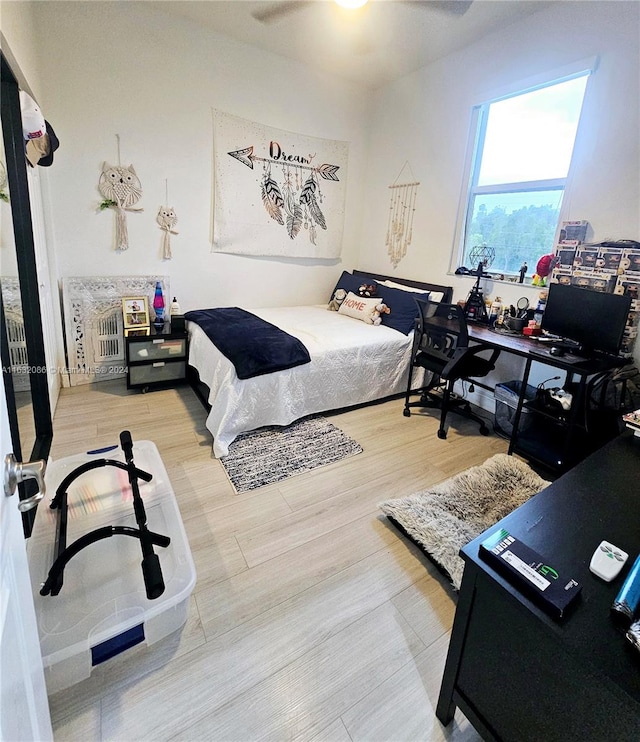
(433, 295)
(359, 307)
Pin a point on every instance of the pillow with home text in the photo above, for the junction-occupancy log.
(359, 307)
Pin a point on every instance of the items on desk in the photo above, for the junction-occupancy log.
(532, 329)
(517, 324)
(632, 421)
(528, 571)
(475, 309)
(624, 608)
(523, 272)
(495, 311)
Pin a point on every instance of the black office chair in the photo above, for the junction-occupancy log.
(441, 346)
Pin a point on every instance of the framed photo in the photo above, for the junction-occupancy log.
(135, 311)
(137, 331)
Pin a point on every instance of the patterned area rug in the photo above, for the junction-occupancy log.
(274, 453)
(443, 519)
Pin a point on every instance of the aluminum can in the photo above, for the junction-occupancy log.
(624, 607)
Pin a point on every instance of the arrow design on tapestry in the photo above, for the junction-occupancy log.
(297, 197)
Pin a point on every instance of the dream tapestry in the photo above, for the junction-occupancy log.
(275, 192)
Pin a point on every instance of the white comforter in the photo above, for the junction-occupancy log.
(351, 363)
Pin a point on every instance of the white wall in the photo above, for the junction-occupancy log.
(129, 69)
(126, 68)
(424, 119)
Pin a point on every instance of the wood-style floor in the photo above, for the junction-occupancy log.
(312, 618)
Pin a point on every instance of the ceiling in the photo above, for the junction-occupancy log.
(370, 46)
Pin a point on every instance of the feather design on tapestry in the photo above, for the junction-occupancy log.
(272, 198)
(294, 221)
(299, 200)
(308, 197)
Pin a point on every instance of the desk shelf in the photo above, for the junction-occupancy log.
(545, 442)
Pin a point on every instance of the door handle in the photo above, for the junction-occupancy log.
(16, 471)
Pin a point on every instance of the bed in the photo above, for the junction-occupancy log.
(351, 363)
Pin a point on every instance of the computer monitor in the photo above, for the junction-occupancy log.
(593, 319)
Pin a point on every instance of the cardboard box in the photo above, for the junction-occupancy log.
(630, 262)
(610, 259)
(529, 572)
(574, 230)
(586, 258)
(566, 255)
(594, 280)
(629, 285)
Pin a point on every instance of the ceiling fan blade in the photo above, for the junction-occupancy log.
(276, 11)
(450, 7)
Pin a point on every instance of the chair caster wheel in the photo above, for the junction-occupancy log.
(442, 434)
(406, 412)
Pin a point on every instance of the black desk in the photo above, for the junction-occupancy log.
(562, 442)
(518, 674)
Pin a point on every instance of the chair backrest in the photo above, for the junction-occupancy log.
(441, 328)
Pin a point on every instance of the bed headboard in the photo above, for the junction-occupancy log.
(446, 290)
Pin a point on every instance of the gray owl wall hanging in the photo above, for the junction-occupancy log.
(121, 189)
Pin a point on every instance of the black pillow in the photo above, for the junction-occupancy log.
(404, 309)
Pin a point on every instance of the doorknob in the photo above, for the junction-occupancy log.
(16, 471)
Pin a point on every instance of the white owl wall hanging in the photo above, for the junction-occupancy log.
(166, 219)
(121, 189)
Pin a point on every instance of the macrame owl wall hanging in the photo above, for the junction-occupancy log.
(121, 189)
(167, 220)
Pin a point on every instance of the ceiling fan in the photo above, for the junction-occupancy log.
(279, 10)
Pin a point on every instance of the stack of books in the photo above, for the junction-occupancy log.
(632, 421)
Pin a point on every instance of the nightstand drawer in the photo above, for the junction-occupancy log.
(152, 349)
(158, 372)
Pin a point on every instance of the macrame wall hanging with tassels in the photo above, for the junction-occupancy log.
(166, 219)
(121, 189)
(401, 211)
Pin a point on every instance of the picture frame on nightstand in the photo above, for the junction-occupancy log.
(136, 332)
(135, 314)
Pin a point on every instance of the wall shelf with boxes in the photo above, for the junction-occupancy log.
(610, 266)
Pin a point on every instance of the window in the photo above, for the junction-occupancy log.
(518, 174)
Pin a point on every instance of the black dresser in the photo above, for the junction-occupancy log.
(515, 672)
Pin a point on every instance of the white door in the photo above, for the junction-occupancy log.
(24, 709)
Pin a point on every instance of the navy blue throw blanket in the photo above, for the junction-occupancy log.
(254, 346)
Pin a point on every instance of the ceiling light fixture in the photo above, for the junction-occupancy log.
(350, 4)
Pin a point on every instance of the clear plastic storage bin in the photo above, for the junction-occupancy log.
(102, 608)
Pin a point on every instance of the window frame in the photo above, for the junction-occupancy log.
(475, 145)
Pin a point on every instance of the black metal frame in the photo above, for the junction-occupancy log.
(28, 279)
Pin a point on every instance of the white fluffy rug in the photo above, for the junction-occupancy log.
(441, 520)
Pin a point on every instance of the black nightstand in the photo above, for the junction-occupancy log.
(157, 360)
